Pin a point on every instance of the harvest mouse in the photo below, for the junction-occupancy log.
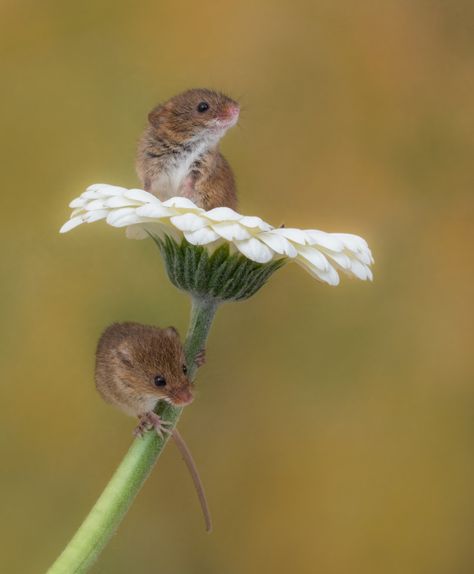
(178, 151)
(139, 365)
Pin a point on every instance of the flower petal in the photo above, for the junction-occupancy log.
(71, 224)
(94, 204)
(278, 243)
(222, 214)
(115, 216)
(156, 211)
(341, 259)
(255, 250)
(328, 240)
(115, 201)
(296, 235)
(105, 189)
(140, 195)
(77, 202)
(352, 242)
(329, 276)
(231, 231)
(254, 222)
(96, 215)
(315, 257)
(359, 270)
(181, 203)
(188, 222)
(201, 236)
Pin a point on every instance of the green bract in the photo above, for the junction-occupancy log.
(221, 275)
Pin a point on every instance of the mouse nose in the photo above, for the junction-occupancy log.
(233, 110)
(183, 396)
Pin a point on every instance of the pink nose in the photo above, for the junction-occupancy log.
(183, 396)
(233, 110)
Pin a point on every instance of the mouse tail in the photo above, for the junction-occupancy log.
(193, 471)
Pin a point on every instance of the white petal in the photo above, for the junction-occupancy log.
(278, 243)
(201, 236)
(71, 224)
(222, 214)
(365, 257)
(96, 215)
(94, 204)
(328, 240)
(231, 231)
(340, 258)
(255, 250)
(116, 201)
(253, 222)
(91, 194)
(115, 216)
(126, 220)
(370, 275)
(359, 270)
(189, 222)
(140, 195)
(155, 211)
(105, 189)
(329, 276)
(77, 202)
(295, 235)
(315, 257)
(352, 242)
(181, 203)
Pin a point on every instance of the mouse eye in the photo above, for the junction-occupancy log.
(160, 381)
(185, 369)
(202, 107)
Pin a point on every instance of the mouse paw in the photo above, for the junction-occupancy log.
(150, 421)
(200, 358)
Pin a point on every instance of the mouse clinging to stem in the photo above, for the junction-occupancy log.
(178, 152)
(139, 365)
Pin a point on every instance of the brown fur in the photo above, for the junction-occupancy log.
(180, 140)
(129, 356)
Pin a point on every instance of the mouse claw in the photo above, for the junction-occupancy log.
(150, 421)
(200, 358)
(141, 429)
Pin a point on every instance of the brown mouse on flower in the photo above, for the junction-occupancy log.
(178, 152)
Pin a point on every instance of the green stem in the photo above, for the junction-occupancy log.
(202, 315)
(115, 500)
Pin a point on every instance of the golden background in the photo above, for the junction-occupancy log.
(334, 426)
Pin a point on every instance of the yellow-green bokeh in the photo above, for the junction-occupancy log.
(334, 426)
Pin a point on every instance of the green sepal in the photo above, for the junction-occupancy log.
(221, 275)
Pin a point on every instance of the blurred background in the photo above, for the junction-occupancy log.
(334, 426)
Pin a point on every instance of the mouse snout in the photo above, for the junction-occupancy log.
(229, 116)
(233, 110)
(182, 396)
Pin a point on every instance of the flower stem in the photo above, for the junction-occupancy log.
(115, 500)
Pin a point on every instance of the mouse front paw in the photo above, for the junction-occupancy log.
(149, 421)
(200, 358)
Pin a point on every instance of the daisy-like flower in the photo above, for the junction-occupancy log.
(144, 215)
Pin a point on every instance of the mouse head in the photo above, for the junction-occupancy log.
(152, 361)
(195, 115)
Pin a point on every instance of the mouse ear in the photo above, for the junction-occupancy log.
(155, 115)
(172, 331)
(123, 353)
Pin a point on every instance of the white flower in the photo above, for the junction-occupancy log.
(322, 254)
